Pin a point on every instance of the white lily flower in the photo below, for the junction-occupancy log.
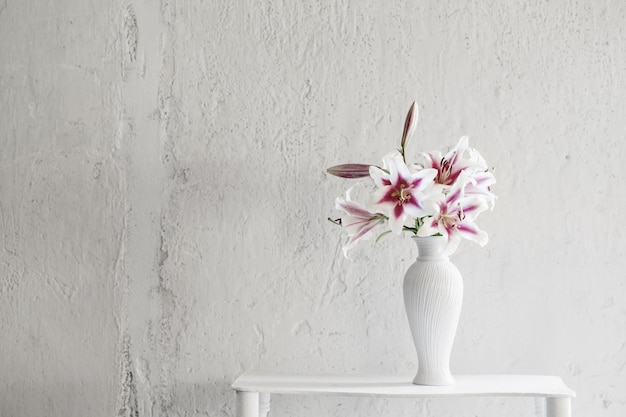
(358, 221)
(400, 191)
(450, 165)
(454, 216)
(439, 194)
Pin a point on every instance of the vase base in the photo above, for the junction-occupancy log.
(439, 380)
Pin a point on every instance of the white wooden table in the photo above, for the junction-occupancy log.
(254, 389)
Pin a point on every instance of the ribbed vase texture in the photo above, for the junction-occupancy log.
(433, 295)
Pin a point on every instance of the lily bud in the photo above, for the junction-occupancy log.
(350, 170)
(409, 125)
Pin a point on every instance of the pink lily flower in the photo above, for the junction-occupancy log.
(479, 184)
(454, 215)
(462, 159)
(359, 222)
(450, 165)
(400, 191)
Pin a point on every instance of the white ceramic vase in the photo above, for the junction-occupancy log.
(433, 295)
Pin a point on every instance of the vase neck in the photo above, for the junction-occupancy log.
(431, 248)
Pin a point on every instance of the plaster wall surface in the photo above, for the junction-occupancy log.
(163, 198)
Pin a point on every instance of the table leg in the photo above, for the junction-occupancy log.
(540, 407)
(559, 407)
(247, 404)
(264, 404)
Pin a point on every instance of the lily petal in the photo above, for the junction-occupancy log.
(469, 230)
(358, 223)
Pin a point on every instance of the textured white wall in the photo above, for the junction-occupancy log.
(164, 202)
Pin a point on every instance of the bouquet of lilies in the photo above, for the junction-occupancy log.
(434, 195)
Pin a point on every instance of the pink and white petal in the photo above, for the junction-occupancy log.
(397, 218)
(454, 196)
(425, 177)
(455, 156)
(360, 230)
(490, 199)
(361, 193)
(362, 233)
(352, 208)
(481, 180)
(457, 189)
(381, 200)
(472, 206)
(430, 160)
(477, 159)
(459, 149)
(380, 177)
(401, 169)
(479, 186)
(414, 208)
(352, 242)
(355, 225)
(431, 204)
(468, 230)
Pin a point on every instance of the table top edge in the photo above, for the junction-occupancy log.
(401, 385)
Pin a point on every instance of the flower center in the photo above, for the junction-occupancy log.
(451, 220)
(444, 176)
(403, 194)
